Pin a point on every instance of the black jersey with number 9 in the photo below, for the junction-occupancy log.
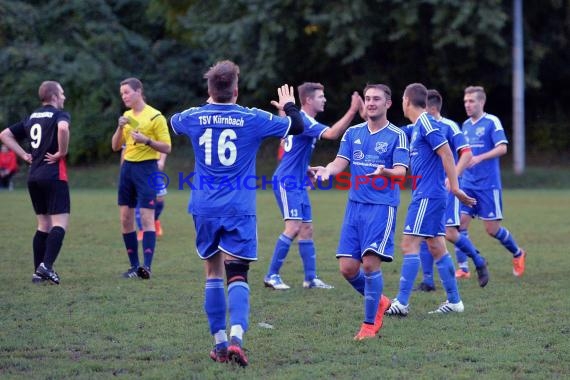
(41, 129)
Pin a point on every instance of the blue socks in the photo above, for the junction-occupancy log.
(215, 305)
(507, 240)
(148, 243)
(309, 258)
(132, 247)
(467, 248)
(215, 308)
(238, 300)
(460, 254)
(374, 284)
(410, 268)
(426, 260)
(279, 254)
(447, 275)
(358, 282)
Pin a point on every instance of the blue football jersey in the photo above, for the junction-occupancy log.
(426, 164)
(483, 135)
(298, 150)
(454, 136)
(225, 139)
(366, 150)
(452, 133)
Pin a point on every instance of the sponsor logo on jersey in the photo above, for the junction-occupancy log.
(358, 155)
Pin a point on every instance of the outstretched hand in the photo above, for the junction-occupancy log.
(377, 172)
(320, 172)
(356, 102)
(286, 95)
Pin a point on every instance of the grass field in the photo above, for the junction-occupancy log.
(98, 325)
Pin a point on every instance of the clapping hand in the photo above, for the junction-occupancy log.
(286, 95)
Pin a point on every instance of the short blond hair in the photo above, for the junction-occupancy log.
(479, 91)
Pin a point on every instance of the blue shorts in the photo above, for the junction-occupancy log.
(452, 218)
(236, 236)
(293, 203)
(134, 187)
(426, 217)
(489, 204)
(367, 228)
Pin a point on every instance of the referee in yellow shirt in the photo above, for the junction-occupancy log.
(143, 131)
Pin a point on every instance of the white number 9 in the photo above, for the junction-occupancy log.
(36, 135)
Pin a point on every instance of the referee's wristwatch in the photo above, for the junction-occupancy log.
(148, 141)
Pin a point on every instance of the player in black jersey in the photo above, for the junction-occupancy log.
(47, 129)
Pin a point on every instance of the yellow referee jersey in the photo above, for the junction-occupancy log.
(150, 123)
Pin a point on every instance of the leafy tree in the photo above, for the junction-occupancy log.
(88, 46)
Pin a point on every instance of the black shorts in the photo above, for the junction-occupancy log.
(50, 197)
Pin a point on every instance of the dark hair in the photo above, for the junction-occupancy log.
(222, 80)
(417, 94)
(48, 89)
(133, 83)
(381, 87)
(478, 90)
(308, 89)
(434, 99)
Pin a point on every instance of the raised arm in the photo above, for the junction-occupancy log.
(287, 103)
(117, 141)
(338, 128)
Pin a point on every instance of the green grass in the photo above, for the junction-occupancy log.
(98, 325)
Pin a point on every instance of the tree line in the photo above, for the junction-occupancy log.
(90, 45)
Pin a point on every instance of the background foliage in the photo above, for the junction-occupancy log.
(89, 46)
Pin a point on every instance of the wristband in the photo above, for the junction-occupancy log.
(148, 142)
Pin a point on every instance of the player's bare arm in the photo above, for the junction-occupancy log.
(498, 151)
(7, 137)
(62, 143)
(444, 152)
(117, 140)
(338, 128)
(159, 146)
